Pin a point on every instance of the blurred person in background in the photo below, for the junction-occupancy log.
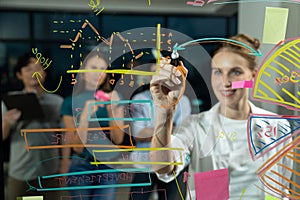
(92, 87)
(22, 161)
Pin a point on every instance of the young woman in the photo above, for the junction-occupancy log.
(215, 139)
(75, 113)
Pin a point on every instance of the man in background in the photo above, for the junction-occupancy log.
(25, 166)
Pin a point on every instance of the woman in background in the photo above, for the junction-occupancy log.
(89, 86)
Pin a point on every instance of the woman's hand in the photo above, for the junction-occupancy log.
(167, 86)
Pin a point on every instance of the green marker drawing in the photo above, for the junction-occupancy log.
(243, 192)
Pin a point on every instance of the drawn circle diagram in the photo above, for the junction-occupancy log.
(128, 72)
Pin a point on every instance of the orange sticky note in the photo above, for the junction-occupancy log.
(275, 24)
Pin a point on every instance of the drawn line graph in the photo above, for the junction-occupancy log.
(109, 42)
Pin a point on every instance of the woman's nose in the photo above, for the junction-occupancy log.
(226, 82)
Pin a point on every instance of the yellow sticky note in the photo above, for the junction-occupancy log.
(268, 197)
(275, 24)
(33, 198)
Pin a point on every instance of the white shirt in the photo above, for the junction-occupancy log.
(207, 148)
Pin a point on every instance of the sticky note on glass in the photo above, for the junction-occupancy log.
(212, 185)
(242, 84)
(268, 197)
(31, 198)
(275, 25)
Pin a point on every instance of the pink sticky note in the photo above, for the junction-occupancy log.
(212, 185)
(242, 84)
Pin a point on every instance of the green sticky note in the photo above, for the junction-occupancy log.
(268, 197)
(275, 24)
(31, 198)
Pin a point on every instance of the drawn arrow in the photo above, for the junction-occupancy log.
(180, 47)
(37, 75)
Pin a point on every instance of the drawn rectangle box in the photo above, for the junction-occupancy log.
(96, 162)
(25, 133)
(122, 102)
(72, 174)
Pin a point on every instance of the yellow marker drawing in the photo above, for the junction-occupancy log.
(37, 74)
(149, 2)
(158, 47)
(268, 197)
(243, 192)
(95, 162)
(280, 64)
(113, 71)
(178, 186)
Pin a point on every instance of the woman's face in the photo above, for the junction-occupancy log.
(228, 67)
(95, 79)
(26, 72)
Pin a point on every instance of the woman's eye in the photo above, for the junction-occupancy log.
(217, 72)
(236, 73)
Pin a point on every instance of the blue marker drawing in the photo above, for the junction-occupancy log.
(89, 174)
(259, 146)
(182, 46)
(40, 186)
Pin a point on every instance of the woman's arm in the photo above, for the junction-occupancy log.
(162, 139)
(165, 89)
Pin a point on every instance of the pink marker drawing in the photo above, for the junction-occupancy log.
(196, 3)
(199, 2)
(242, 84)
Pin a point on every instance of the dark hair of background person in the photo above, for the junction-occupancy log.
(105, 86)
(242, 51)
(23, 61)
